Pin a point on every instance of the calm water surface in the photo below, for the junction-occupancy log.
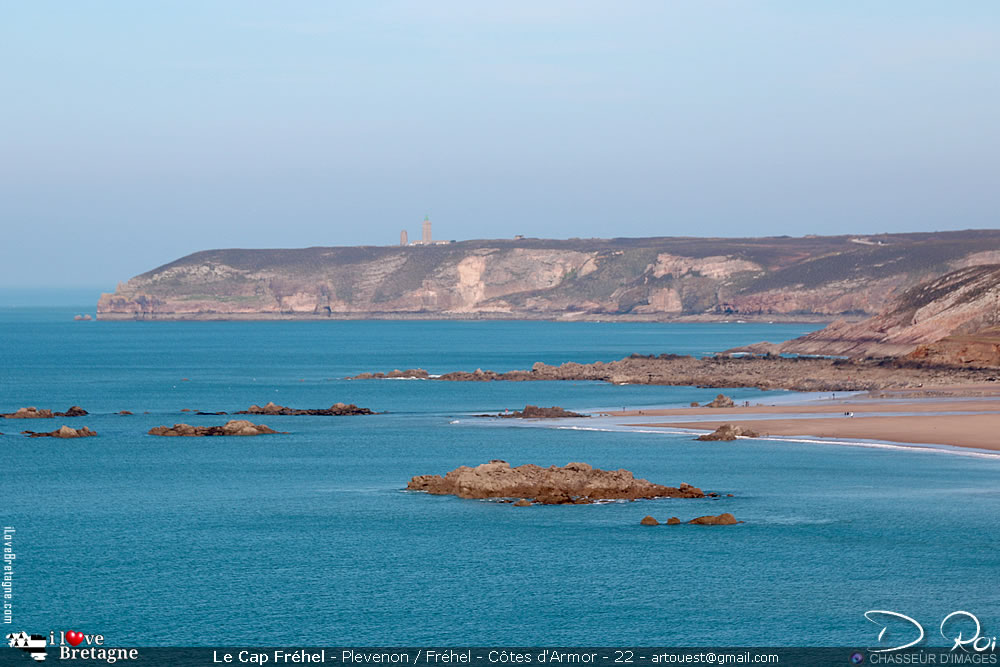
(308, 539)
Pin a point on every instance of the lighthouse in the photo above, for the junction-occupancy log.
(426, 238)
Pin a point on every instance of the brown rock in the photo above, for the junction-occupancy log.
(649, 521)
(728, 432)
(673, 521)
(574, 483)
(725, 519)
(535, 412)
(335, 410)
(124, 412)
(523, 502)
(63, 432)
(235, 427)
(721, 401)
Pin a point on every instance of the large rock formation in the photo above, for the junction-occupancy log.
(335, 410)
(35, 413)
(952, 319)
(645, 279)
(232, 427)
(574, 483)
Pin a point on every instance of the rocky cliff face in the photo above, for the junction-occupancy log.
(952, 319)
(652, 278)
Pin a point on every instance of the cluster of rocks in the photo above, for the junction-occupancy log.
(724, 519)
(409, 374)
(336, 410)
(572, 484)
(232, 427)
(728, 432)
(35, 413)
(536, 412)
(761, 371)
(62, 432)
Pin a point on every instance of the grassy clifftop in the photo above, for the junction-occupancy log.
(646, 278)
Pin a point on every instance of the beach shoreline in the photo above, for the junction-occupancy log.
(961, 416)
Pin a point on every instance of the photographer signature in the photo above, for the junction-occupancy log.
(977, 642)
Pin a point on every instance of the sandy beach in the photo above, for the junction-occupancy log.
(961, 417)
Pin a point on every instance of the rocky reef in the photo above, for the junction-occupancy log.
(724, 519)
(236, 427)
(35, 413)
(728, 432)
(335, 410)
(763, 372)
(572, 484)
(63, 432)
(408, 374)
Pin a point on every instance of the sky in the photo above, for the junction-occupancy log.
(134, 133)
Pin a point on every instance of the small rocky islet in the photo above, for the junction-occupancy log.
(234, 427)
(35, 413)
(536, 412)
(572, 484)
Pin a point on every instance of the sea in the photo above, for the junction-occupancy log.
(309, 538)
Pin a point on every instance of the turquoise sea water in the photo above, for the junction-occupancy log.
(307, 539)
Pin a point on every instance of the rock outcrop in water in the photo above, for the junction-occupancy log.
(35, 413)
(767, 372)
(574, 483)
(235, 427)
(571, 279)
(728, 432)
(536, 412)
(335, 410)
(408, 374)
(63, 432)
(725, 519)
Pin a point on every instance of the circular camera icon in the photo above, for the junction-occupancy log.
(857, 658)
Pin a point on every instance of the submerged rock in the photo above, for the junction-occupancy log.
(335, 410)
(728, 432)
(63, 432)
(232, 427)
(574, 483)
(725, 519)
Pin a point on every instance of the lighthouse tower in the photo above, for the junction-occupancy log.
(427, 230)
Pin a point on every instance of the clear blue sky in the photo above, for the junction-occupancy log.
(137, 132)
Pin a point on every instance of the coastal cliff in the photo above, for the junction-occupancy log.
(953, 320)
(643, 279)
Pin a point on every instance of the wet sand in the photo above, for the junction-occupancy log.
(923, 421)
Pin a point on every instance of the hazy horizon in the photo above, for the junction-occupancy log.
(143, 133)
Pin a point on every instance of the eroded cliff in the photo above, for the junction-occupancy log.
(650, 278)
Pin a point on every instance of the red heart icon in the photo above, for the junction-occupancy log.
(74, 637)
